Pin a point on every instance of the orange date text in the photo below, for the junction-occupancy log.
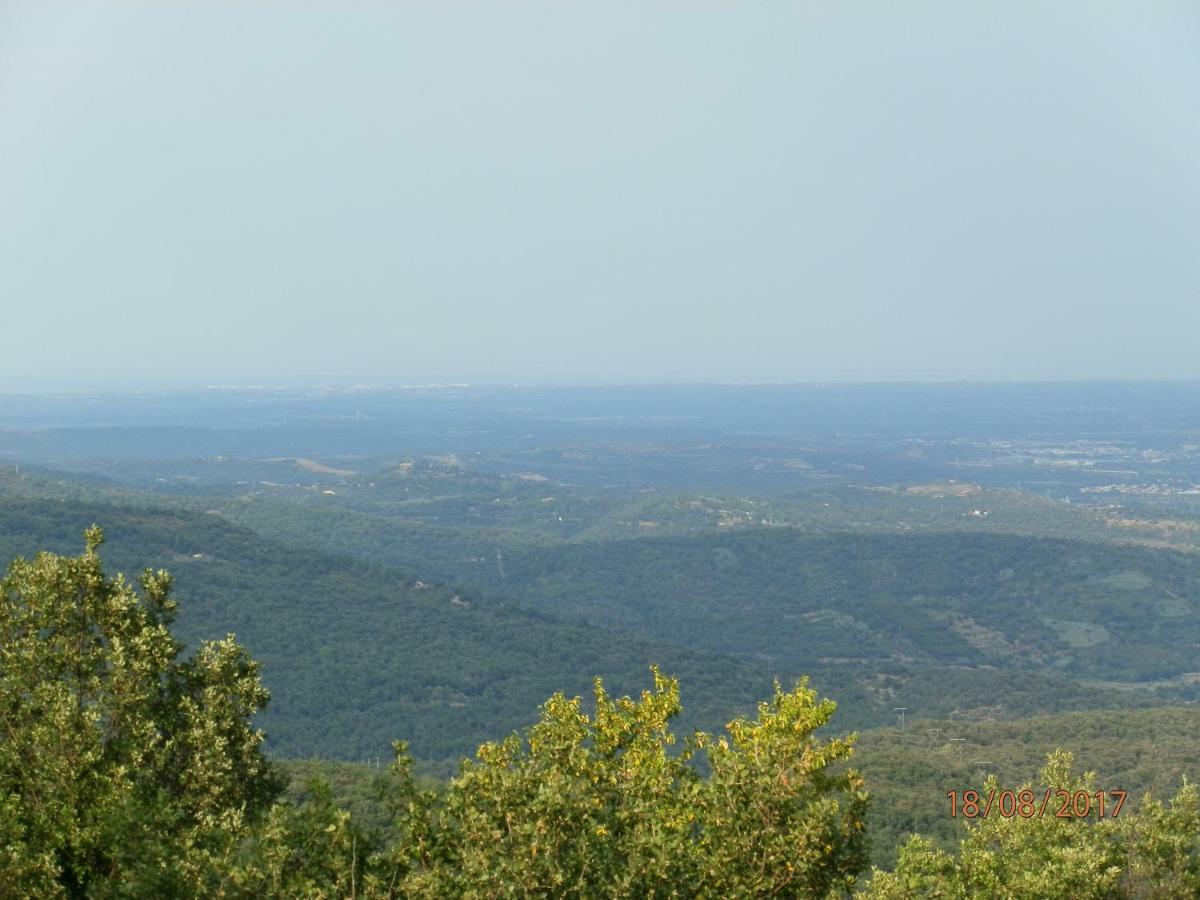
(1059, 803)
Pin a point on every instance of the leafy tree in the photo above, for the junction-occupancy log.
(124, 769)
(310, 850)
(1164, 842)
(598, 806)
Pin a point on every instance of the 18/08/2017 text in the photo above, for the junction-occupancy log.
(971, 804)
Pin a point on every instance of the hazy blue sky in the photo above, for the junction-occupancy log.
(295, 193)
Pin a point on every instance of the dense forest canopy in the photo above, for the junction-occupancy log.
(969, 625)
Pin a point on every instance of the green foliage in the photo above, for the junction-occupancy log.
(1154, 852)
(779, 819)
(121, 764)
(311, 850)
(599, 806)
(1165, 847)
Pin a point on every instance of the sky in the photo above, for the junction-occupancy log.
(399, 192)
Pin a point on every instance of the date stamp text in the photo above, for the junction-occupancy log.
(1060, 803)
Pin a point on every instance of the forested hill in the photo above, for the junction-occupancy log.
(358, 655)
(793, 599)
(1099, 611)
(127, 769)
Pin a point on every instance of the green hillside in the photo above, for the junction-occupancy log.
(792, 599)
(965, 625)
(914, 578)
(358, 655)
(797, 600)
(447, 494)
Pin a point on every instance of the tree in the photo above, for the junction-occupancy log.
(598, 806)
(124, 768)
